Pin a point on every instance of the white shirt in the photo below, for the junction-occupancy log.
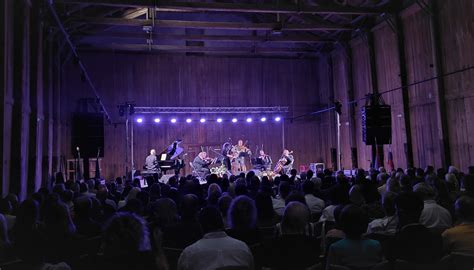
(383, 225)
(315, 204)
(328, 213)
(435, 216)
(278, 206)
(215, 250)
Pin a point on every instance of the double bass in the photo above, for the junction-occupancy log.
(281, 163)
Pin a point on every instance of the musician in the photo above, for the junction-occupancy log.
(201, 164)
(240, 150)
(265, 160)
(151, 161)
(227, 155)
(288, 160)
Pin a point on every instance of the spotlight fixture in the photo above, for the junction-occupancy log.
(139, 120)
(277, 119)
(234, 120)
(202, 120)
(219, 120)
(263, 119)
(173, 120)
(249, 120)
(157, 120)
(189, 120)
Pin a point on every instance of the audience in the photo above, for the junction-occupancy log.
(460, 238)
(433, 216)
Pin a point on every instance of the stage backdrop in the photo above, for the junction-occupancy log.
(167, 80)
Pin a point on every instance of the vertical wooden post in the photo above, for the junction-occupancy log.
(443, 132)
(21, 95)
(405, 95)
(6, 92)
(351, 107)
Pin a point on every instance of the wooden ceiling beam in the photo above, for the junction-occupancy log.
(221, 38)
(171, 6)
(211, 25)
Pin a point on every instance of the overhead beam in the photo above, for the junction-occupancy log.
(107, 36)
(211, 25)
(171, 6)
(197, 49)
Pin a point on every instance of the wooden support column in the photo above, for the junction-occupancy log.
(351, 107)
(441, 114)
(375, 90)
(21, 95)
(37, 116)
(6, 91)
(47, 101)
(56, 115)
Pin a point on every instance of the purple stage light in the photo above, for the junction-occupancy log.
(234, 120)
(263, 119)
(249, 120)
(157, 120)
(219, 120)
(139, 120)
(277, 119)
(189, 120)
(173, 120)
(202, 120)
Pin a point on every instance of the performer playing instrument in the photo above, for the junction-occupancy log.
(151, 162)
(227, 155)
(201, 164)
(285, 163)
(239, 152)
(265, 160)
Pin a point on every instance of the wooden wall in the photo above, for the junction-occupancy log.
(425, 101)
(165, 80)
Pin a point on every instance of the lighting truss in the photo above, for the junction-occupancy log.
(211, 110)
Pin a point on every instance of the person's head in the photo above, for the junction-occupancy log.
(224, 204)
(189, 207)
(240, 142)
(164, 212)
(354, 221)
(388, 203)
(425, 191)
(83, 208)
(408, 207)
(464, 208)
(262, 153)
(393, 185)
(295, 196)
(28, 214)
(382, 178)
(202, 155)
(210, 219)
(284, 189)
(293, 172)
(125, 234)
(214, 192)
(242, 214)
(295, 218)
(308, 187)
(355, 195)
(153, 152)
(286, 152)
(57, 220)
(309, 174)
(263, 202)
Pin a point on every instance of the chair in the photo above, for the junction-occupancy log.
(458, 261)
(198, 175)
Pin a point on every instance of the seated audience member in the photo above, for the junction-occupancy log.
(340, 196)
(382, 182)
(433, 216)
(336, 233)
(279, 201)
(224, 204)
(353, 251)
(460, 238)
(213, 194)
(266, 216)
(85, 225)
(468, 184)
(242, 218)
(216, 249)
(126, 245)
(389, 223)
(132, 194)
(6, 209)
(5, 245)
(315, 204)
(293, 249)
(413, 242)
(187, 230)
(164, 216)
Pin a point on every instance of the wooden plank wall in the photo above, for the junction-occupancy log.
(165, 80)
(456, 31)
(23, 97)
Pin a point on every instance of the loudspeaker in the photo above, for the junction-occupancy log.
(88, 134)
(354, 157)
(334, 159)
(376, 124)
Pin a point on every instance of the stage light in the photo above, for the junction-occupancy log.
(202, 120)
(157, 120)
(263, 119)
(139, 120)
(277, 119)
(219, 120)
(189, 120)
(234, 120)
(173, 120)
(249, 120)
